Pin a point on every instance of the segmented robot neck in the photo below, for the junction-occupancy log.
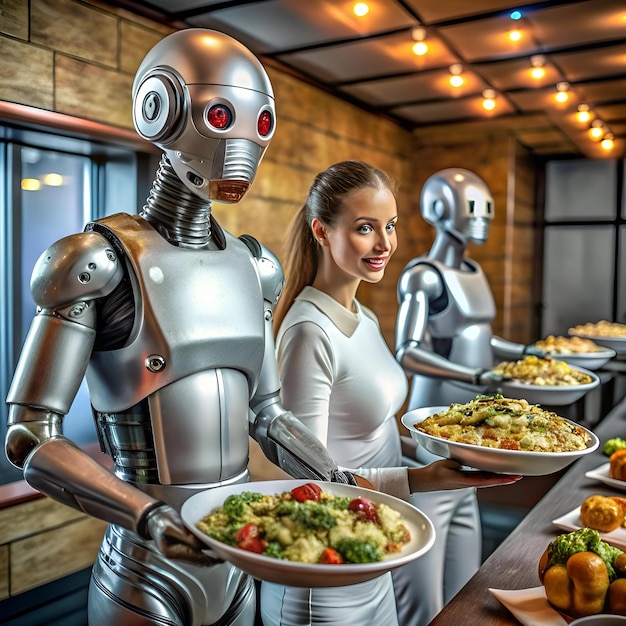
(179, 215)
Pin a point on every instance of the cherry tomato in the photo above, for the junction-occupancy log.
(247, 538)
(330, 557)
(364, 509)
(308, 491)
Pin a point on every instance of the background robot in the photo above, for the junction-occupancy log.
(170, 318)
(444, 340)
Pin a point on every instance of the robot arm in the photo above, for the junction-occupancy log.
(417, 288)
(67, 280)
(509, 351)
(282, 437)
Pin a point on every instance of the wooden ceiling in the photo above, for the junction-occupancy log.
(369, 60)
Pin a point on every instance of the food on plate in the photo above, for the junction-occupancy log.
(617, 465)
(599, 329)
(613, 445)
(583, 575)
(509, 424)
(602, 513)
(535, 370)
(567, 345)
(308, 525)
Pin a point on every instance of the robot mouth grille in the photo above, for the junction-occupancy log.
(241, 159)
(478, 229)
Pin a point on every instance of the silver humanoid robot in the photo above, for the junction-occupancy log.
(170, 319)
(444, 340)
(443, 333)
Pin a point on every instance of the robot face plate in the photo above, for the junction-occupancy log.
(207, 102)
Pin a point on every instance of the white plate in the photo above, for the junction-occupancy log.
(529, 606)
(556, 395)
(614, 343)
(602, 474)
(587, 360)
(516, 462)
(305, 574)
(571, 521)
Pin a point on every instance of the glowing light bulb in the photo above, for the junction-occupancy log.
(31, 184)
(515, 35)
(597, 129)
(562, 94)
(456, 80)
(607, 142)
(538, 72)
(489, 102)
(52, 179)
(583, 114)
(360, 9)
(420, 48)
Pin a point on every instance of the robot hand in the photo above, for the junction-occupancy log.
(173, 539)
(490, 379)
(532, 350)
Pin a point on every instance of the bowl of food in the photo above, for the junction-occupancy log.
(576, 351)
(608, 334)
(307, 533)
(503, 435)
(584, 576)
(545, 380)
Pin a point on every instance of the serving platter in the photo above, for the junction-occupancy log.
(602, 474)
(618, 344)
(306, 574)
(587, 360)
(552, 395)
(529, 606)
(516, 462)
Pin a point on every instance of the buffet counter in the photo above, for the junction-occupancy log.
(513, 565)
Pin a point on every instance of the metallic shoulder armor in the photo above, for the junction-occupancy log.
(78, 268)
(270, 270)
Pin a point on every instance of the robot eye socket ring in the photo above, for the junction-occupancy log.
(155, 362)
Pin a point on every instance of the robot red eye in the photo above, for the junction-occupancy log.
(264, 125)
(219, 116)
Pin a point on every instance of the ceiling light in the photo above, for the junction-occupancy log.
(456, 80)
(515, 35)
(607, 142)
(562, 94)
(489, 101)
(538, 61)
(420, 47)
(52, 179)
(583, 114)
(597, 129)
(31, 184)
(516, 15)
(360, 9)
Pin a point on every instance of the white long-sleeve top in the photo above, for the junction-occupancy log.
(341, 380)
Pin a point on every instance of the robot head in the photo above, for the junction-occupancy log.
(207, 101)
(458, 201)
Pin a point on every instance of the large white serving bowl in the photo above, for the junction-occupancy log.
(587, 360)
(305, 574)
(522, 462)
(613, 343)
(553, 395)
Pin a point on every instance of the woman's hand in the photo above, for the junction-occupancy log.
(448, 474)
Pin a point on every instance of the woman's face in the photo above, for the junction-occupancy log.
(364, 237)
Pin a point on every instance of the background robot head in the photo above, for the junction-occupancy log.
(207, 101)
(459, 202)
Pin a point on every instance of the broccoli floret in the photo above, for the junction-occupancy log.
(314, 515)
(582, 540)
(274, 549)
(236, 506)
(613, 445)
(356, 551)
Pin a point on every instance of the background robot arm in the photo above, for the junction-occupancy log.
(282, 437)
(418, 286)
(509, 351)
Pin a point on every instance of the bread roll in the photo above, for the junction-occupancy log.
(617, 465)
(601, 513)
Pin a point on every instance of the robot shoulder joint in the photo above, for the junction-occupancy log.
(420, 277)
(269, 267)
(79, 267)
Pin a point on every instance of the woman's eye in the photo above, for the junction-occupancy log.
(391, 227)
(365, 229)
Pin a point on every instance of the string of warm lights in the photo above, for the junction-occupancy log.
(519, 29)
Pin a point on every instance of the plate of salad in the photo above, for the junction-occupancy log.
(306, 533)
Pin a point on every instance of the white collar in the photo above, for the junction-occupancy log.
(344, 320)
